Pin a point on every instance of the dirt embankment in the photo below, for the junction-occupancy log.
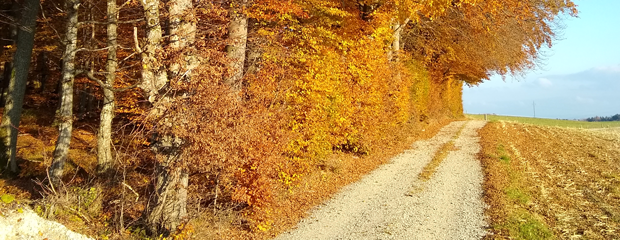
(547, 182)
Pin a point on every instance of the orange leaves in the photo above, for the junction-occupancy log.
(471, 41)
(276, 10)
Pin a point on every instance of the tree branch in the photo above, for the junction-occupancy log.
(92, 77)
(126, 88)
(106, 23)
(135, 39)
(92, 50)
(102, 84)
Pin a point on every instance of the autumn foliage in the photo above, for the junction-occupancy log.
(321, 78)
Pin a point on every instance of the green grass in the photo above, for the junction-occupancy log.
(546, 121)
(523, 225)
(517, 195)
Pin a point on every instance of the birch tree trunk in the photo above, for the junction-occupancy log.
(9, 124)
(65, 113)
(168, 209)
(105, 162)
(238, 38)
(394, 53)
(396, 44)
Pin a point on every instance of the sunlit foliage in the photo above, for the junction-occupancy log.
(322, 77)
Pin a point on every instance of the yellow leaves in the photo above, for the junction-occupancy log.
(336, 12)
(264, 227)
(384, 33)
(341, 94)
(265, 32)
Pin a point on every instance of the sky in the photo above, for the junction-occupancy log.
(580, 76)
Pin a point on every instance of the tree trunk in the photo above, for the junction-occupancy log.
(169, 206)
(65, 115)
(8, 39)
(42, 71)
(238, 38)
(82, 98)
(396, 45)
(154, 76)
(394, 54)
(104, 138)
(6, 78)
(17, 87)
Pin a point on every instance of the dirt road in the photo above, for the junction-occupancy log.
(392, 203)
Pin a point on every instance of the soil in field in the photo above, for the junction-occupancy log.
(548, 121)
(548, 182)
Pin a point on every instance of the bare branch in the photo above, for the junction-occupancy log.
(126, 88)
(130, 55)
(91, 76)
(106, 23)
(92, 50)
(135, 39)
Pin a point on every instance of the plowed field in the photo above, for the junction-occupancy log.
(549, 182)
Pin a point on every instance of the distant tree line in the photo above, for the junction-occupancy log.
(604, 119)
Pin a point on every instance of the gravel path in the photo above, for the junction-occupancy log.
(391, 203)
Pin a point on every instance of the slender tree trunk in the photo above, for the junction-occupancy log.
(394, 54)
(6, 78)
(396, 43)
(43, 72)
(17, 87)
(8, 39)
(66, 105)
(238, 38)
(82, 97)
(104, 138)
(169, 206)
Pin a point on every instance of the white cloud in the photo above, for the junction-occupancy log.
(544, 82)
(584, 99)
(609, 69)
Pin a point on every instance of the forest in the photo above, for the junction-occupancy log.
(138, 118)
(604, 119)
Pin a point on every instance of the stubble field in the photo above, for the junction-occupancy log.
(551, 183)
